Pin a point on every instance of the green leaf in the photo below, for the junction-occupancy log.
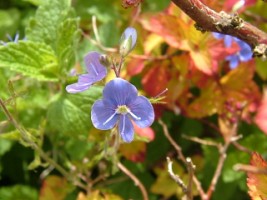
(8, 22)
(36, 60)
(18, 192)
(12, 135)
(71, 113)
(5, 145)
(61, 31)
(68, 37)
(78, 148)
(44, 27)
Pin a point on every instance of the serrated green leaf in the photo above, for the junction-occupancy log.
(61, 31)
(44, 27)
(71, 113)
(68, 37)
(32, 59)
(18, 192)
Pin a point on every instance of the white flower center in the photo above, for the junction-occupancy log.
(123, 110)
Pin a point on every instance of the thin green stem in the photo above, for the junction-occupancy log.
(26, 137)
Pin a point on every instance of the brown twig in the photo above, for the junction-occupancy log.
(182, 157)
(241, 148)
(175, 177)
(210, 20)
(135, 180)
(221, 161)
(250, 168)
(191, 170)
(201, 141)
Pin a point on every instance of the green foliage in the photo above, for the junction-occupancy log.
(18, 192)
(30, 58)
(5, 146)
(70, 114)
(8, 22)
(202, 90)
(61, 31)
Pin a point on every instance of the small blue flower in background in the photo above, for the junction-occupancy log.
(96, 72)
(15, 40)
(121, 104)
(127, 41)
(244, 55)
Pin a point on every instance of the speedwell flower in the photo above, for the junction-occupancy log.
(96, 72)
(127, 41)
(243, 55)
(121, 105)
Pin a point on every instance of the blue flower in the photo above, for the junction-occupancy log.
(244, 55)
(127, 41)
(96, 72)
(15, 40)
(121, 105)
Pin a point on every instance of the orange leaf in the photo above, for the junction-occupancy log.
(134, 151)
(257, 183)
(54, 188)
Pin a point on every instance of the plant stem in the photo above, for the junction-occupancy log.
(182, 158)
(26, 137)
(135, 180)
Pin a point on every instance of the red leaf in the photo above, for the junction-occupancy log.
(156, 79)
(130, 3)
(261, 116)
(148, 132)
(135, 66)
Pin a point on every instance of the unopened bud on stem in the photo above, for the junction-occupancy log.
(128, 41)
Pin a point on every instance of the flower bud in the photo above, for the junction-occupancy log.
(128, 41)
(105, 60)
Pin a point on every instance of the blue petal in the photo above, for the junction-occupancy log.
(234, 60)
(119, 92)
(76, 87)
(143, 109)
(245, 53)
(228, 40)
(130, 32)
(93, 65)
(218, 35)
(84, 82)
(126, 128)
(103, 115)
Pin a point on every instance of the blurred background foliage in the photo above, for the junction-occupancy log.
(54, 37)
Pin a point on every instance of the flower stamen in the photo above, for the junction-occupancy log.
(134, 116)
(123, 109)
